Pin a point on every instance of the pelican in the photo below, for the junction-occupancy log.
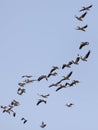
(86, 8)
(20, 91)
(83, 44)
(29, 81)
(76, 60)
(43, 125)
(21, 84)
(67, 65)
(86, 56)
(26, 76)
(82, 28)
(61, 86)
(80, 18)
(73, 82)
(69, 104)
(44, 96)
(52, 74)
(24, 120)
(54, 84)
(54, 68)
(40, 101)
(42, 77)
(15, 103)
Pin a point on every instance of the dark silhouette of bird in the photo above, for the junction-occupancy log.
(43, 125)
(42, 77)
(52, 74)
(86, 8)
(54, 68)
(80, 18)
(54, 84)
(21, 84)
(62, 86)
(24, 120)
(74, 82)
(83, 44)
(15, 103)
(40, 101)
(67, 76)
(44, 96)
(29, 80)
(26, 76)
(67, 65)
(82, 28)
(20, 91)
(69, 104)
(76, 60)
(84, 58)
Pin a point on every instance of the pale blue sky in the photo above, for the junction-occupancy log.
(34, 36)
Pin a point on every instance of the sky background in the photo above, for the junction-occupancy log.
(34, 36)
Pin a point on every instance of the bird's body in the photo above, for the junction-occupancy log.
(86, 8)
(54, 68)
(24, 120)
(67, 65)
(52, 74)
(44, 96)
(83, 44)
(43, 125)
(26, 76)
(82, 28)
(86, 56)
(42, 77)
(76, 60)
(69, 104)
(80, 18)
(40, 101)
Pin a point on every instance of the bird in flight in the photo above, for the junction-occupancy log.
(24, 120)
(86, 56)
(83, 44)
(82, 28)
(54, 68)
(80, 18)
(69, 104)
(44, 96)
(43, 125)
(40, 101)
(67, 65)
(86, 8)
(42, 77)
(76, 60)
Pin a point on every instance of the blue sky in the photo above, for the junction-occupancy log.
(36, 35)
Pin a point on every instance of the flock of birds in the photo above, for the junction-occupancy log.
(53, 72)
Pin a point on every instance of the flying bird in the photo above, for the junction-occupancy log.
(54, 68)
(42, 77)
(52, 74)
(24, 120)
(67, 65)
(61, 86)
(86, 8)
(69, 104)
(82, 28)
(80, 18)
(83, 44)
(15, 103)
(76, 60)
(40, 101)
(54, 84)
(26, 76)
(86, 56)
(44, 96)
(43, 125)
